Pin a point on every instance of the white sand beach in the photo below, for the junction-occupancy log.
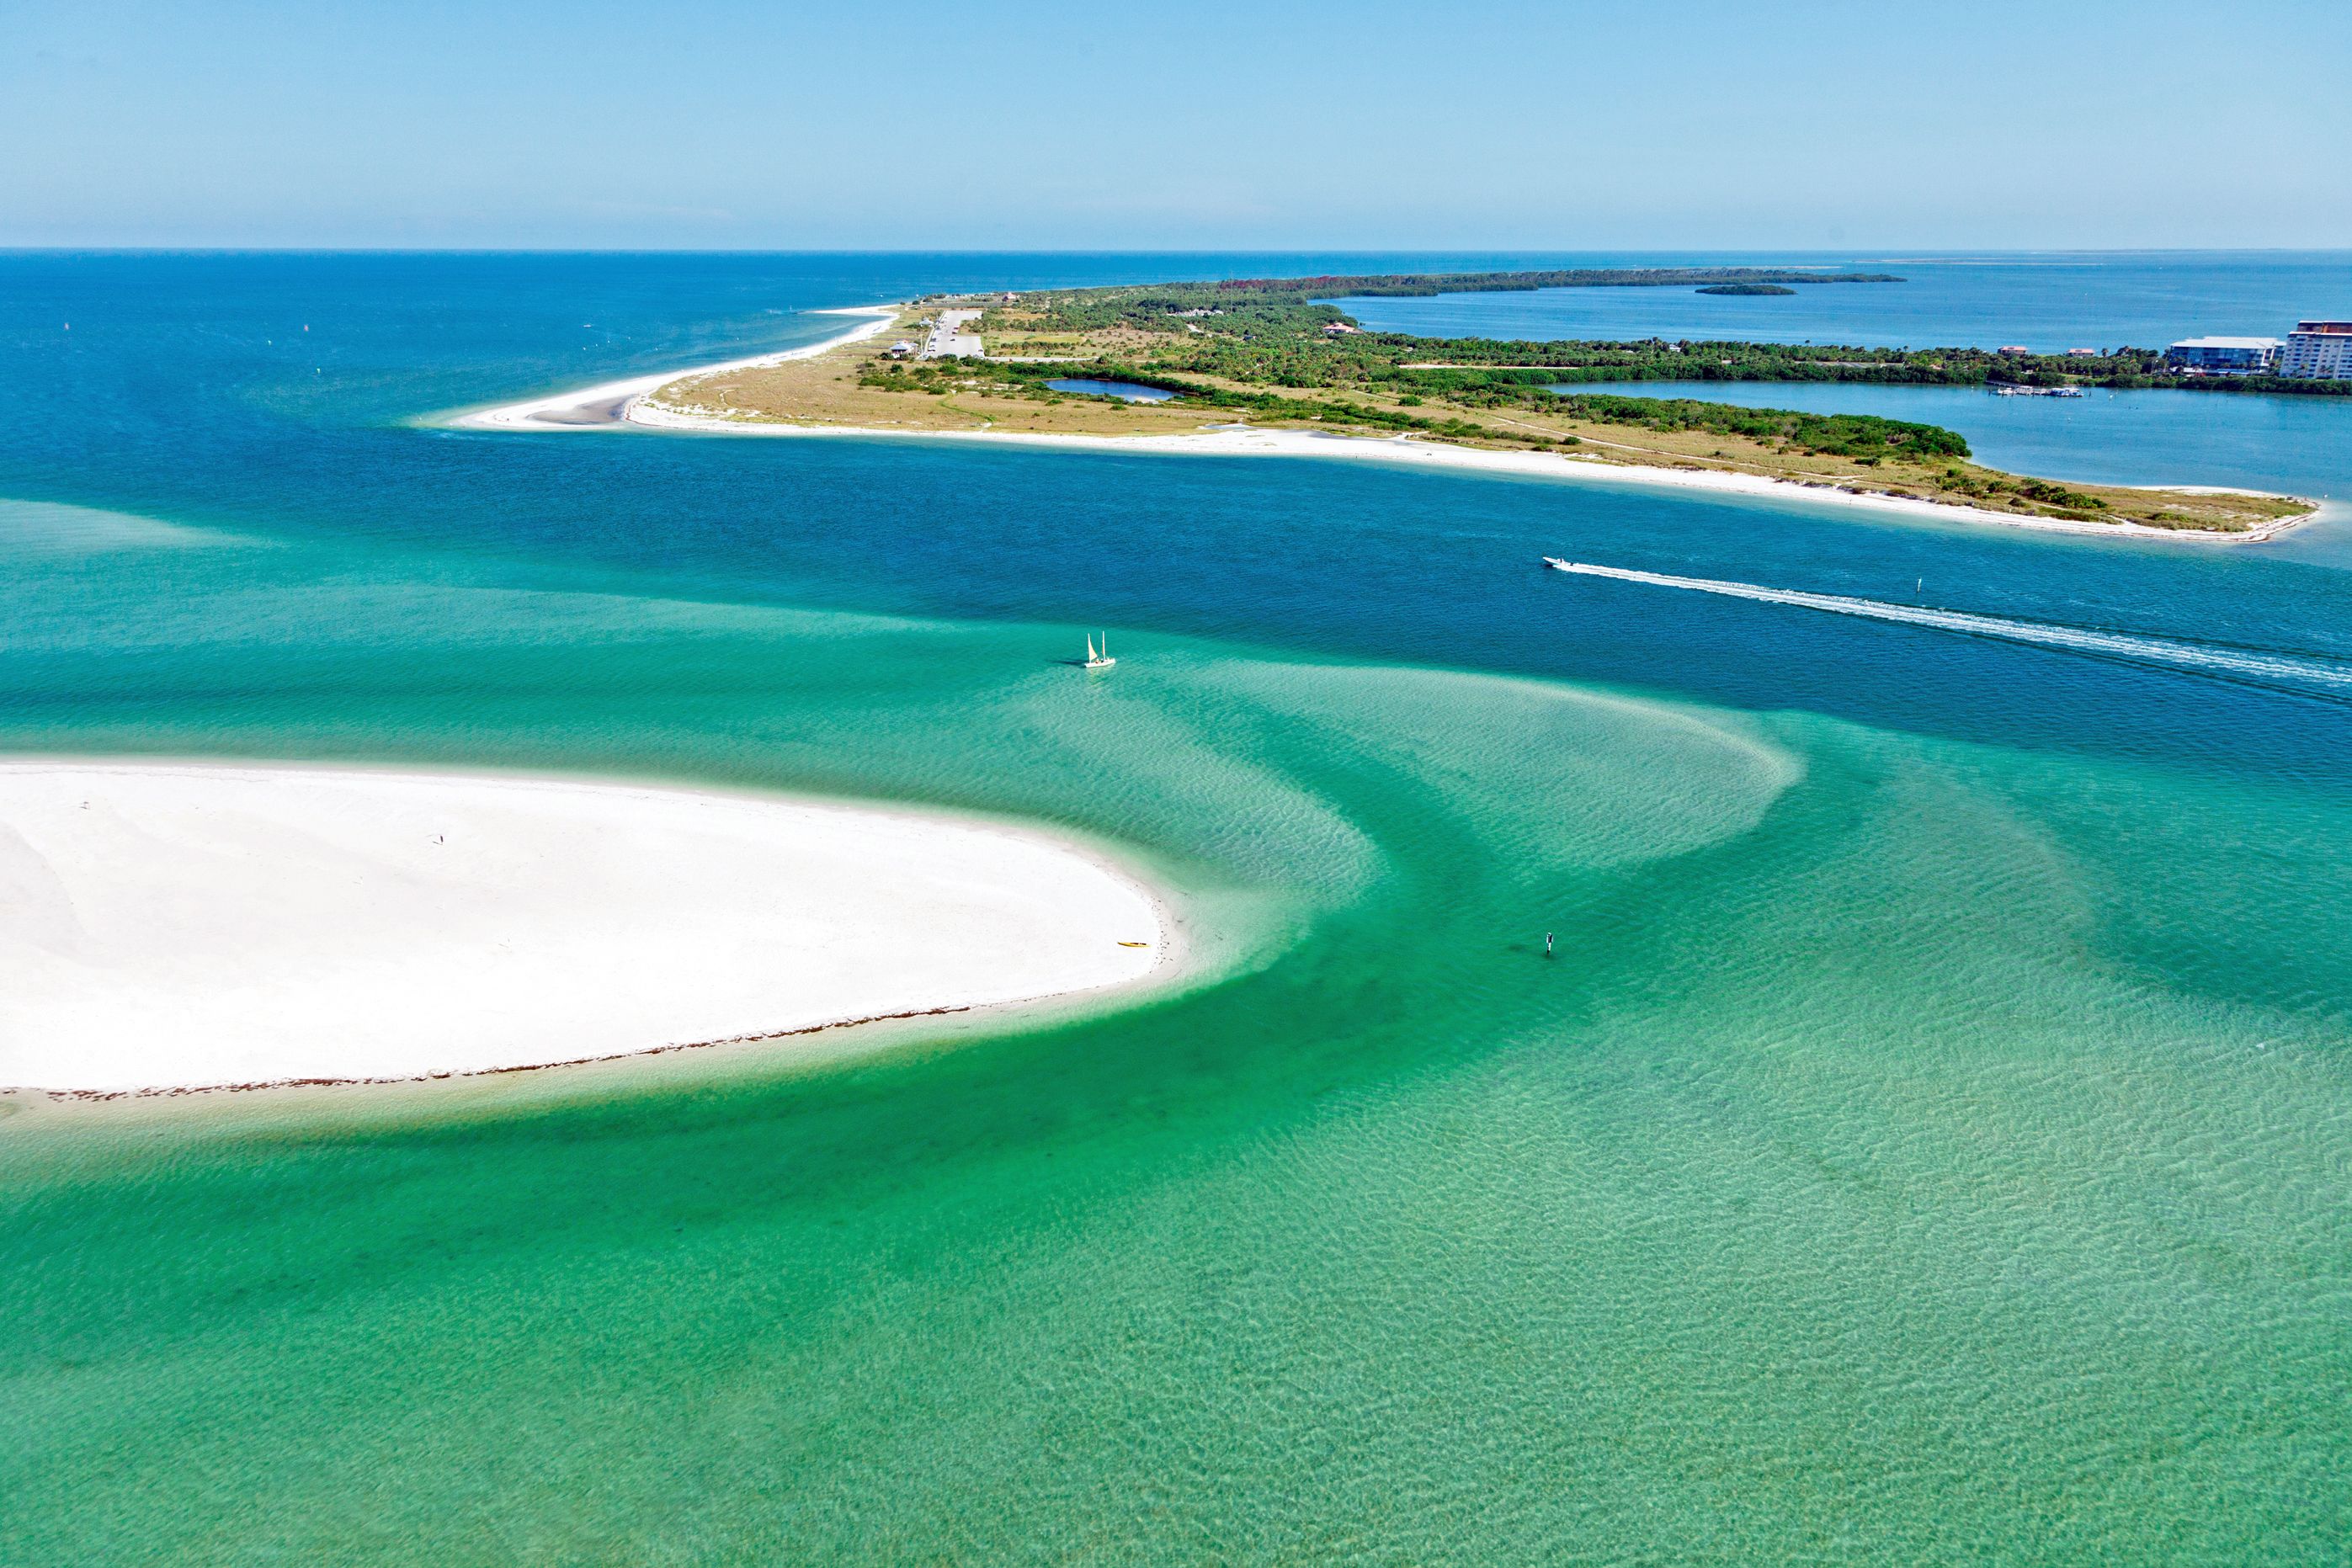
(178, 925)
(609, 402)
(1231, 441)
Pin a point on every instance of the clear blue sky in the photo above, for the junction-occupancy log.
(859, 123)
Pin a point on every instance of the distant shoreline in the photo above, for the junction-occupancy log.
(631, 402)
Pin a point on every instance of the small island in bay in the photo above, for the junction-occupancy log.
(1210, 362)
(1745, 289)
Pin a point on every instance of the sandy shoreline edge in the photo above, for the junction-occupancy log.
(1411, 451)
(609, 402)
(200, 927)
(631, 402)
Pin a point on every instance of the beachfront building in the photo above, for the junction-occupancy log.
(2319, 351)
(2222, 356)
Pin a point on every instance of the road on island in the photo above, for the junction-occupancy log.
(948, 338)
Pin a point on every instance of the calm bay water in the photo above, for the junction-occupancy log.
(1930, 1142)
(2047, 303)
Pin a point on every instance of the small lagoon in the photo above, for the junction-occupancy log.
(1126, 392)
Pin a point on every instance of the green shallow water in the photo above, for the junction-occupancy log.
(1920, 1149)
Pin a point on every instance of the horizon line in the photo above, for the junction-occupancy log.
(1893, 254)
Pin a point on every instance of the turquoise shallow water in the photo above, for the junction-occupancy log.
(1931, 1143)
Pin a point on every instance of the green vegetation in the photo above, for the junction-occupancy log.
(1856, 435)
(1862, 436)
(1415, 283)
(1278, 332)
(1745, 289)
(1276, 353)
(2287, 386)
(940, 376)
(1252, 347)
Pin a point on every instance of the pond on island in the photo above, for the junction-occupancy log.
(1126, 392)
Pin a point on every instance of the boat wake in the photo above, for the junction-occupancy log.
(2315, 675)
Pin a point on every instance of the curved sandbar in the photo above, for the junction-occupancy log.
(609, 402)
(184, 925)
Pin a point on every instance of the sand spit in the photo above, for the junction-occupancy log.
(175, 926)
(609, 403)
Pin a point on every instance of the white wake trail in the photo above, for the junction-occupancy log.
(2244, 663)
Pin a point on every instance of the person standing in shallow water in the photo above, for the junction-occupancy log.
(1547, 944)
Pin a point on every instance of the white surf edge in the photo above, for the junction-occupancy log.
(415, 929)
(2241, 662)
(534, 413)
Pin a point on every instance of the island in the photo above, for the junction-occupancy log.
(1272, 365)
(1407, 285)
(1744, 289)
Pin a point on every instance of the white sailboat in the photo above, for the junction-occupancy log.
(1098, 658)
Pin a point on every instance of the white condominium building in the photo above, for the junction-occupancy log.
(2222, 356)
(2319, 351)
